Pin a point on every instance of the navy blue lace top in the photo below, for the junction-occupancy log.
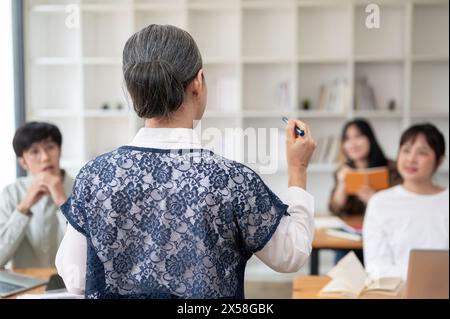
(170, 224)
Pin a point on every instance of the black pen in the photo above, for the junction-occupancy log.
(299, 131)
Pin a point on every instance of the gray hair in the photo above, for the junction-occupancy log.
(159, 62)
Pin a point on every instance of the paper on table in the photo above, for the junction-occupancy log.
(60, 295)
(328, 222)
(350, 271)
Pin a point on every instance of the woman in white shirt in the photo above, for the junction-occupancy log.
(164, 218)
(413, 215)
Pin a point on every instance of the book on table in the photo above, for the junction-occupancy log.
(376, 178)
(350, 280)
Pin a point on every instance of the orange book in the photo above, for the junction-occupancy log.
(376, 178)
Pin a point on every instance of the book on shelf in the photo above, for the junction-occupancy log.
(350, 280)
(364, 95)
(334, 97)
(376, 178)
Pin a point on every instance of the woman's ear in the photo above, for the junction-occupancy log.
(198, 83)
(23, 163)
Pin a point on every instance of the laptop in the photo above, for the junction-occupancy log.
(427, 275)
(12, 283)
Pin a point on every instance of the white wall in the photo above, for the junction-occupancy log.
(7, 157)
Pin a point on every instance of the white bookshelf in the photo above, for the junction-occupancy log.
(265, 57)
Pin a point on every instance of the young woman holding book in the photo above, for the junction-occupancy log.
(361, 151)
(164, 218)
(413, 215)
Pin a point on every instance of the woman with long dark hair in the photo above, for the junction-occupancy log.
(361, 151)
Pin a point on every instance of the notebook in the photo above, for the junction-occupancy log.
(376, 178)
(349, 280)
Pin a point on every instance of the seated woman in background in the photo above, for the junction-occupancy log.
(361, 150)
(413, 215)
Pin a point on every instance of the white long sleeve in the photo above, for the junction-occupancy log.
(291, 244)
(398, 221)
(71, 260)
(286, 251)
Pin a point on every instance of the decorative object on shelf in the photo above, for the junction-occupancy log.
(283, 95)
(364, 95)
(105, 106)
(392, 105)
(306, 104)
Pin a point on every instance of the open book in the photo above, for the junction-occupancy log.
(349, 280)
(376, 178)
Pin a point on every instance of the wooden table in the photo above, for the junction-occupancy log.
(307, 287)
(324, 241)
(42, 273)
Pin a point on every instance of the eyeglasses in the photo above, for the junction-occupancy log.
(36, 152)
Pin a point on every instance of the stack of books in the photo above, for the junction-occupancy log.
(334, 96)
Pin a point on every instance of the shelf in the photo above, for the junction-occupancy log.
(92, 113)
(61, 61)
(332, 30)
(229, 5)
(430, 114)
(104, 84)
(216, 34)
(103, 36)
(323, 59)
(429, 86)
(266, 60)
(387, 81)
(219, 60)
(381, 59)
(60, 40)
(386, 41)
(430, 29)
(293, 114)
(267, 87)
(105, 8)
(267, 4)
(223, 88)
(378, 114)
(55, 113)
(260, 25)
(174, 16)
(49, 8)
(262, 59)
(430, 58)
(218, 114)
(114, 61)
(55, 87)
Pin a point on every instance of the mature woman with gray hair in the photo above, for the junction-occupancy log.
(163, 217)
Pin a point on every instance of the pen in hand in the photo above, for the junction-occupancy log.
(299, 131)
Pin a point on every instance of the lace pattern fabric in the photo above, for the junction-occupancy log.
(170, 224)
